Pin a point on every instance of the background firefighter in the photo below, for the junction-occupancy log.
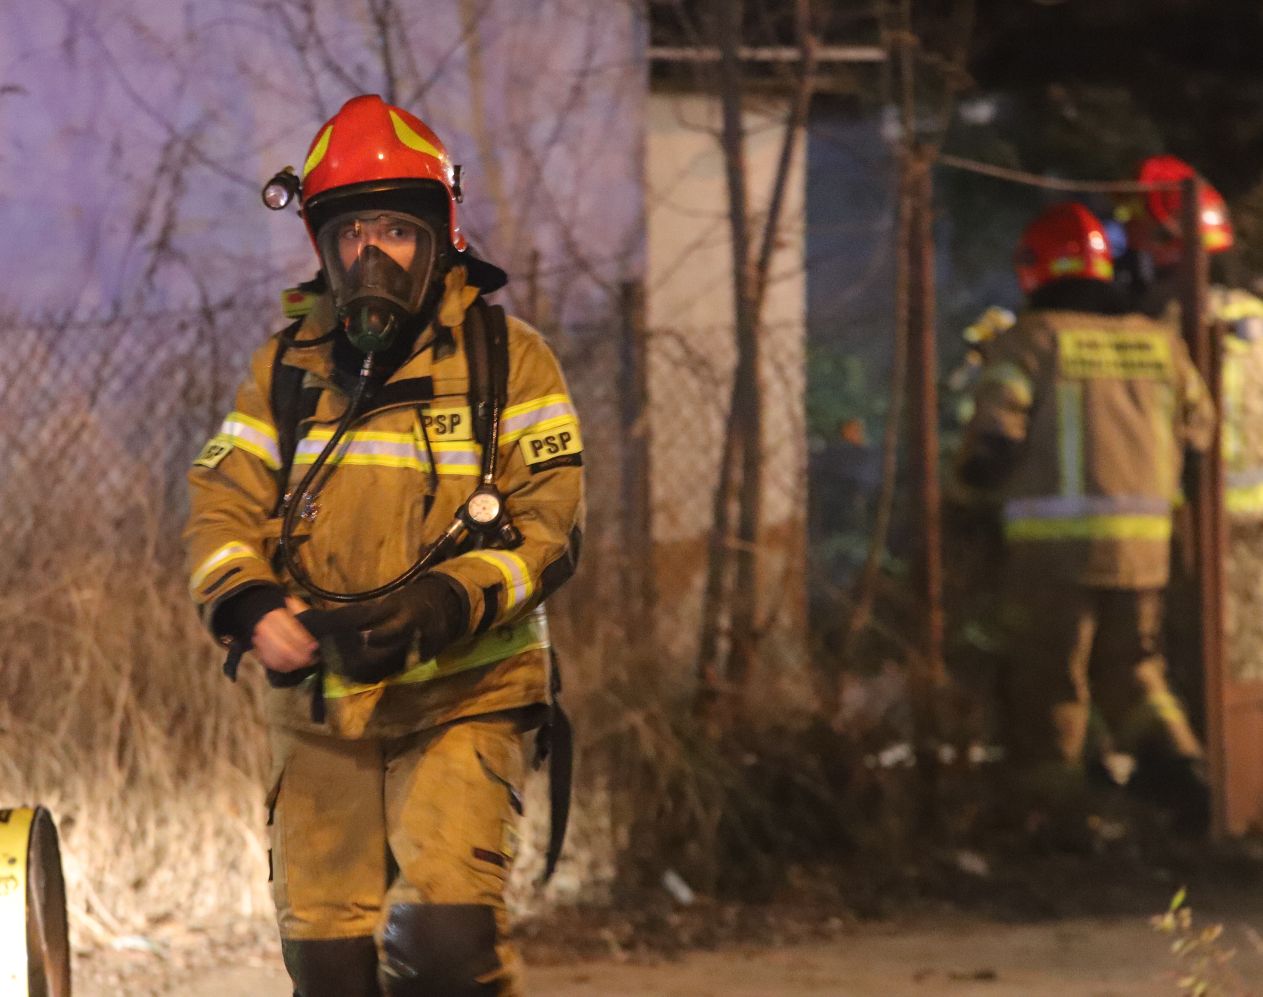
(1082, 418)
(394, 809)
(1150, 272)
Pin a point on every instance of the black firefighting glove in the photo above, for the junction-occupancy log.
(238, 615)
(368, 642)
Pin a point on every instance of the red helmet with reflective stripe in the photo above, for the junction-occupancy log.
(375, 150)
(1163, 208)
(1067, 240)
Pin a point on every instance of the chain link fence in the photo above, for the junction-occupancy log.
(104, 416)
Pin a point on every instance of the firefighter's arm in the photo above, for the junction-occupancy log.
(540, 472)
(1196, 426)
(1002, 407)
(232, 491)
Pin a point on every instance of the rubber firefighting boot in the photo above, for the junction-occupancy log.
(332, 967)
(1177, 786)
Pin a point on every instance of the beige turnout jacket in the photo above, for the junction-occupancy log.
(1102, 408)
(392, 487)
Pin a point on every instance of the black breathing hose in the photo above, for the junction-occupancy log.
(296, 499)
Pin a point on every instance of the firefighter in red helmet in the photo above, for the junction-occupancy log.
(1155, 247)
(379, 519)
(1083, 415)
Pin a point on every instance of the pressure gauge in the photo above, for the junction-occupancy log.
(484, 507)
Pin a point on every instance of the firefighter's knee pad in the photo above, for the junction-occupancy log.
(439, 950)
(332, 967)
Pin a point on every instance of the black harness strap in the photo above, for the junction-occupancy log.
(555, 743)
(409, 391)
(487, 355)
(290, 404)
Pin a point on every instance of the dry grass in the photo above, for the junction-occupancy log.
(114, 715)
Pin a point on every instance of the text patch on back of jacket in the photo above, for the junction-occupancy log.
(1128, 356)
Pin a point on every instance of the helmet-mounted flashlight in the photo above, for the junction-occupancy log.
(283, 188)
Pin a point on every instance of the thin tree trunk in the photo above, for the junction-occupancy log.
(710, 681)
(488, 160)
(746, 414)
(740, 474)
(747, 628)
(382, 12)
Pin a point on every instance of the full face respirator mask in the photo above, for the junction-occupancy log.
(381, 268)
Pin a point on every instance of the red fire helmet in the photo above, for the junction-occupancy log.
(1163, 238)
(373, 151)
(1066, 240)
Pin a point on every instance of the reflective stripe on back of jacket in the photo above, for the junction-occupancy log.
(1101, 409)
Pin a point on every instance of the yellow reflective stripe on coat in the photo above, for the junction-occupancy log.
(1233, 398)
(365, 448)
(536, 415)
(517, 577)
(1070, 454)
(1162, 418)
(254, 436)
(1088, 517)
(1243, 492)
(369, 448)
(1138, 527)
(529, 634)
(15, 839)
(1231, 304)
(461, 458)
(231, 551)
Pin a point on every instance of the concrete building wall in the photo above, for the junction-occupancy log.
(135, 135)
(689, 309)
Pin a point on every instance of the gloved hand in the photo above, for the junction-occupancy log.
(368, 642)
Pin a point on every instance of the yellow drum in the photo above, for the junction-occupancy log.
(34, 940)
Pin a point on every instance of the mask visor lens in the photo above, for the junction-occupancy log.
(378, 254)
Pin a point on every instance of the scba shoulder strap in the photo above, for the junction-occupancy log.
(486, 357)
(290, 404)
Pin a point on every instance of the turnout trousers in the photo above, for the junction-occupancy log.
(1075, 646)
(390, 858)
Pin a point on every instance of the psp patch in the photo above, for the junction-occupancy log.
(216, 449)
(453, 423)
(560, 446)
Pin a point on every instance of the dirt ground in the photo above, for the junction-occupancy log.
(959, 924)
(961, 957)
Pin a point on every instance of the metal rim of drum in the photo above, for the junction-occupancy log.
(36, 932)
(47, 928)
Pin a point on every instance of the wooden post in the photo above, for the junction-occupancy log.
(637, 525)
(1203, 339)
(929, 673)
